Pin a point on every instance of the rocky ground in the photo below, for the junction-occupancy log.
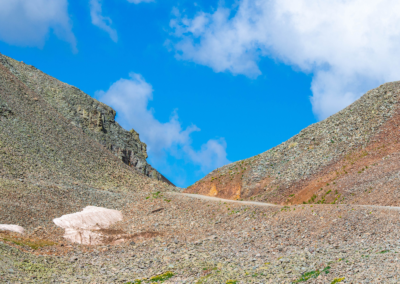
(56, 159)
(179, 239)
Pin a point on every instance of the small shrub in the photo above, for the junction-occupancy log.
(337, 280)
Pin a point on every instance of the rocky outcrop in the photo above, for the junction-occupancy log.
(5, 111)
(94, 118)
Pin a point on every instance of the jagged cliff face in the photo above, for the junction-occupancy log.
(94, 118)
(351, 156)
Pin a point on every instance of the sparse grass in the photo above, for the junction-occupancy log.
(337, 280)
(154, 195)
(312, 274)
(312, 199)
(162, 277)
(32, 243)
(32, 267)
(334, 201)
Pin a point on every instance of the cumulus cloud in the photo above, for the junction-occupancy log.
(140, 1)
(130, 98)
(100, 21)
(349, 46)
(28, 22)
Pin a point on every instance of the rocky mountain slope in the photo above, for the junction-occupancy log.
(49, 166)
(54, 162)
(350, 157)
(96, 119)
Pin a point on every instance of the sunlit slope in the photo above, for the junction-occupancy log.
(350, 157)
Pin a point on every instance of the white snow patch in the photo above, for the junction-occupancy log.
(81, 227)
(12, 228)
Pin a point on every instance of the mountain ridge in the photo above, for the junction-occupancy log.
(282, 174)
(95, 118)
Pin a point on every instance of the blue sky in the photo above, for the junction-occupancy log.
(209, 82)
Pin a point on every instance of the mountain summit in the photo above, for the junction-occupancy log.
(350, 157)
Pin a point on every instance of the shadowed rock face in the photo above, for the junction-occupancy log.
(94, 118)
(350, 157)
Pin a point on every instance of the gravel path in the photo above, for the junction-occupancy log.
(217, 199)
(210, 198)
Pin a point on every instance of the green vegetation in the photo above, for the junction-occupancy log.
(162, 277)
(312, 274)
(156, 195)
(334, 201)
(231, 282)
(33, 244)
(154, 279)
(337, 280)
(34, 268)
(312, 199)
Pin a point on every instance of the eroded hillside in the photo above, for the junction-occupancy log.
(350, 157)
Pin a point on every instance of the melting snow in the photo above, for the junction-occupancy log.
(12, 228)
(81, 227)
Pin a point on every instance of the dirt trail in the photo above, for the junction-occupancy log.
(198, 196)
(210, 198)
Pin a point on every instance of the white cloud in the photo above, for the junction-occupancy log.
(130, 98)
(350, 46)
(100, 21)
(27, 22)
(140, 1)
